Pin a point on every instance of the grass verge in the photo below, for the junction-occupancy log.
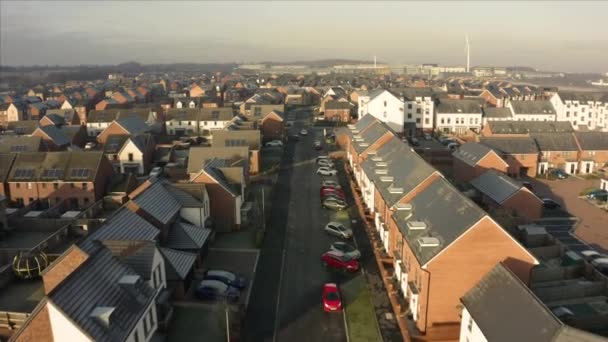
(359, 311)
(197, 324)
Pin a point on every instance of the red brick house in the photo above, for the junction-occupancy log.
(272, 126)
(520, 153)
(80, 178)
(594, 151)
(126, 125)
(473, 159)
(337, 111)
(498, 190)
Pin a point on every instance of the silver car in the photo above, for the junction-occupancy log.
(345, 249)
(326, 171)
(337, 229)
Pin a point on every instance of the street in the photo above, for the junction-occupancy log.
(285, 303)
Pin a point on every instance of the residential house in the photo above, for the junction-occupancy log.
(520, 153)
(52, 137)
(385, 106)
(473, 159)
(194, 102)
(25, 127)
(99, 120)
(257, 111)
(224, 171)
(594, 151)
(272, 125)
(337, 111)
(182, 122)
(130, 153)
(91, 296)
(36, 110)
(557, 150)
(372, 136)
(6, 160)
(19, 143)
(458, 116)
(584, 110)
(212, 119)
(496, 114)
(80, 178)
(419, 109)
(9, 112)
(249, 138)
(502, 308)
(124, 125)
(540, 110)
(499, 191)
(196, 90)
(69, 116)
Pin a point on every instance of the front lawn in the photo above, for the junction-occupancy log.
(359, 311)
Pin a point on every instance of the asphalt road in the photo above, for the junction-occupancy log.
(285, 303)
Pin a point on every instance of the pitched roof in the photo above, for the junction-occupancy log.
(592, 141)
(48, 166)
(23, 127)
(518, 145)
(457, 215)
(537, 107)
(333, 104)
(182, 114)
(498, 186)
(158, 202)
(581, 96)
(213, 167)
(124, 225)
(497, 112)
(55, 134)
(526, 127)
(372, 133)
(450, 106)
(506, 310)
(96, 284)
(133, 124)
(140, 258)
(178, 264)
(114, 143)
(216, 114)
(471, 153)
(405, 166)
(365, 121)
(555, 141)
(6, 161)
(18, 143)
(184, 198)
(109, 115)
(224, 138)
(198, 156)
(186, 236)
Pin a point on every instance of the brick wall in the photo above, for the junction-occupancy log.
(524, 204)
(37, 329)
(342, 115)
(517, 162)
(221, 203)
(272, 129)
(63, 267)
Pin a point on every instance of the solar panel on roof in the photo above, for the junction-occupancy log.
(23, 173)
(80, 173)
(18, 148)
(52, 173)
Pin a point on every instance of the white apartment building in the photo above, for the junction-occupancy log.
(584, 110)
(458, 116)
(419, 109)
(542, 110)
(385, 106)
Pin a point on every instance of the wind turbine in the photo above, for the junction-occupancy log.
(468, 51)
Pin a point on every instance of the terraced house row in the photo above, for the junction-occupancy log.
(436, 241)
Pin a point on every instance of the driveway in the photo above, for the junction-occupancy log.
(592, 220)
(285, 303)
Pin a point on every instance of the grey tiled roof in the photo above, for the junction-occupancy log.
(333, 104)
(471, 153)
(581, 96)
(55, 134)
(19, 143)
(592, 141)
(249, 138)
(506, 310)
(158, 202)
(533, 107)
(451, 106)
(406, 167)
(140, 259)
(498, 186)
(186, 236)
(525, 127)
(447, 214)
(365, 121)
(370, 135)
(198, 156)
(184, 198)
(178, 264)
(523, 145)
(96, 284)
(555, 142)
(124, 225)
(494, 112)
(212, 168)
(133, 124)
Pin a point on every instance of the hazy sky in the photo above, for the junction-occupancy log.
(568, 36)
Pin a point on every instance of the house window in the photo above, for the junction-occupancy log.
(470, 324)
(85, 186)
(442, 121)
(130, 157)
(85, 201)
(409, 116)
(189, 123)
(18, 185)
(44, 185)
(55, 186)
(384, 103)
(19, 201)
(567, 114)
(418, 111)
(426, 121)
(417, 120)
(72, 185)
(146, 328)
(409, 106)
(136, 336)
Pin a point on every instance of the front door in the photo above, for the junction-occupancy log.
(587, 167)
(572, 168)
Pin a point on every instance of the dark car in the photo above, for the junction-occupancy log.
(226, 277)
(598, 194)
(558, 173)
(414, 141)
(215, 289)
(550, 204)
(527, 185)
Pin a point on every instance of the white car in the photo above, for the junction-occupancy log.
(325, 162)
(590, 255)
(156, 171)
(326, 171)
(337, 229)
(303, 131)
(320, 158)
(274, 143)
(330, 183)
(345, 249)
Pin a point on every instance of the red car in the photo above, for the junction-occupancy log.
(339, 261)
(332, 301)
(332, 191)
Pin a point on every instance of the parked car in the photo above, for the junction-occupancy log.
(334, 203)
(339, 261)
(321, 158)
(527, 185)
(550, 204)
(332, 301)
(90, 145)
(346, 249)
(318, 146)
(427, 136)
(215, 289)
(598, 194)
(600, 262)
(331, 183)
(325, 191)
(590, 255)
(226, 277)
(338, 229)
(558, 173)
(326, 171)
(325, 162)
(274, 143)
(156, 171)
(446, 141)
(303, 131)
(414, 141)
(453, 146)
